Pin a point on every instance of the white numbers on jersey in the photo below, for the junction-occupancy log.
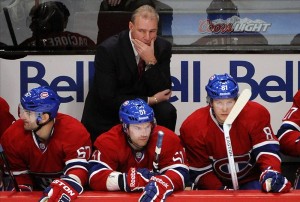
(290, 112)
(96, 155)
(268, 132)
(178, 156)
(84, 152)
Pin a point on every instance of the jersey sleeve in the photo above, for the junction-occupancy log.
(77, 151)
(102, 163)
(289, 131)
(173, 162)
(265, 143)
(6, 118)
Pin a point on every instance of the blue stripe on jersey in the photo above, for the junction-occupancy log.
(76, 163)
(195, 172)
(271, 147)
(96, 166)
(184, 172)
(286, 126)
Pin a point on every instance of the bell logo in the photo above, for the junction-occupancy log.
(60, 83)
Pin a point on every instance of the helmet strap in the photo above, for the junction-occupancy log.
(40, 125)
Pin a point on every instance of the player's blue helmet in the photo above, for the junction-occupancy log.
(221, 9)
(41, 99)
(221, 87)
(135, 111)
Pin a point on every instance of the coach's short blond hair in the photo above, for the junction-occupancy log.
(146, 12)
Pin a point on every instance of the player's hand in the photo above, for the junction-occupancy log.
(64, 189)
(136, 179)
(273, 181)
(157, 189)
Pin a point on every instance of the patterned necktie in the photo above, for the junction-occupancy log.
(141, 66)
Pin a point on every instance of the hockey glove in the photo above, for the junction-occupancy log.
(135, 179)
(273, 181)
(157, 189)
(64, 189)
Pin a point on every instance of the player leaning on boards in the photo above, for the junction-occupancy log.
(289, 133)
(124, 158)
(255, 147)
(44, 146)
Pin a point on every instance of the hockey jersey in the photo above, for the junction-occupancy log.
(113, 153)
(36, 164)
(6, 118)
(255, 147)
(289, 132)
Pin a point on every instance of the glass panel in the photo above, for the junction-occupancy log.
(73, 24)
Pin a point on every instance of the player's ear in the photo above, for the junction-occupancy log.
(43, 117)
(125, 128)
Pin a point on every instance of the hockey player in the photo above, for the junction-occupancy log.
(48, 22)
(123, 159)
(255, 147)
(6, 118)
(47, 150)
(289, 132)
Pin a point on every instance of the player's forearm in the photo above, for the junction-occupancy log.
(290, 143)
(79, 174)
(100, 180)
(178, 176)
(265, 161)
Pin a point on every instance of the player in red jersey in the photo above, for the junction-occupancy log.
(124, 155)
(255, 147)
(289, 131)
(47, 150)
(6, 118)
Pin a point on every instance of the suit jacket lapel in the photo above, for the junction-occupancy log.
(128, 51)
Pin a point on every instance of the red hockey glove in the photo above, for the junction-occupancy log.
(157, 189)
(64, 189)
(135, 179)
(273, 181)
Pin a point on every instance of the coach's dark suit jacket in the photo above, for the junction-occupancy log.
(116, 80)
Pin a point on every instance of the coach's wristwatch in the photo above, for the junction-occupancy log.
(148, 66)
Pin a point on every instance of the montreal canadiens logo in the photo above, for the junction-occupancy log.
(243, 165)
(44, 95)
